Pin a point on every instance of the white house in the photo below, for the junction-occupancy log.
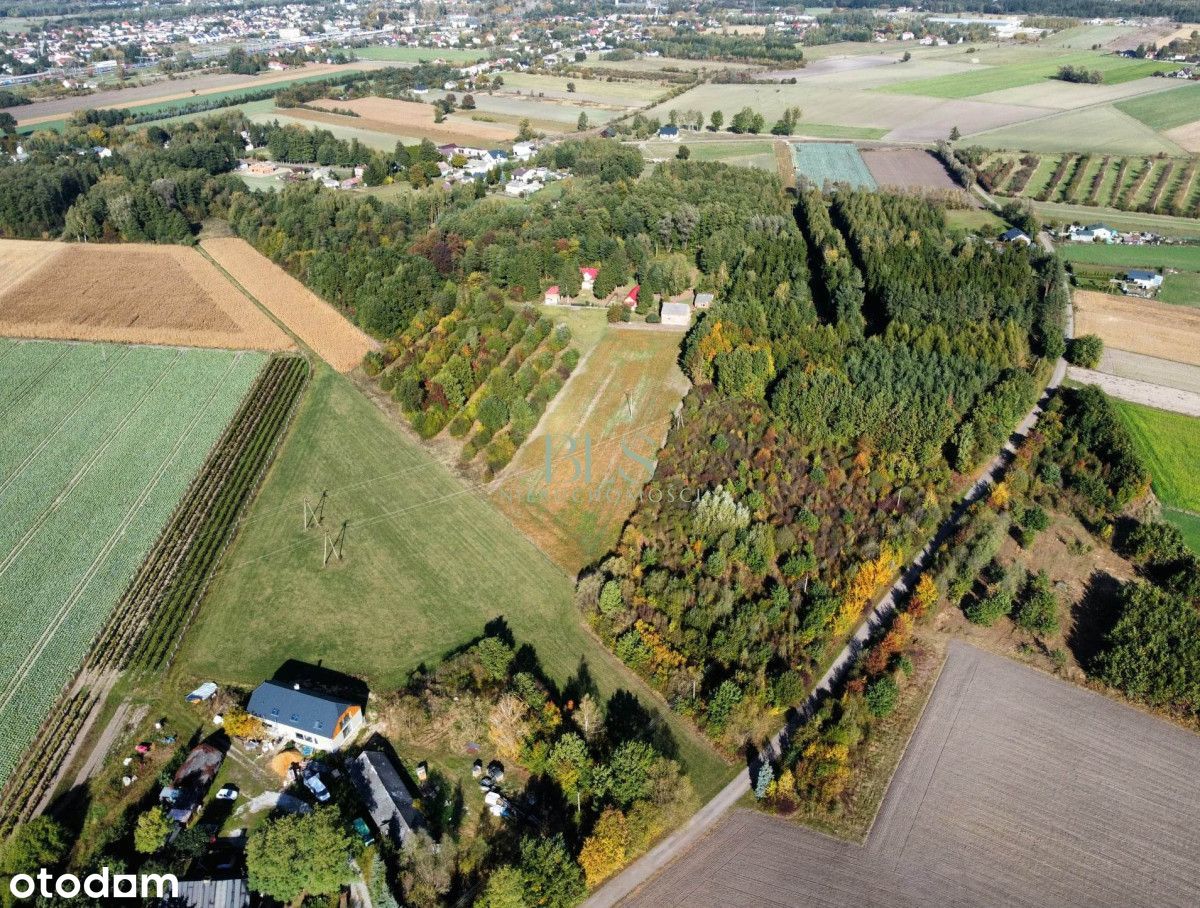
(588, 277)
(669, 133)
(1147, 280)
(1015, 235)
(308, 718)
(679, 314)
(552, 295)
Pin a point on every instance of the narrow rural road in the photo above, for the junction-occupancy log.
(1139, 392)
(641, 870)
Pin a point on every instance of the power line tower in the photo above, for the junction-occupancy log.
(314, 516)
(335, 546)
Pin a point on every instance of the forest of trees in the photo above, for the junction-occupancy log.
(852, 370)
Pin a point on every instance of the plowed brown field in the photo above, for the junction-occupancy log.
(407, 118)
(1140, 326)
(1017, 789)
(313, 320)
(131, 293)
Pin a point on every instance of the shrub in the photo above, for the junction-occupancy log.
(1038, 611)
(1085, 351)
(882, 694)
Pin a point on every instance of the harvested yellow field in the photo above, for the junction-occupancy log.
(410, 118)
(1140, 326)
(313, 320)
(18, 258)
(131, 293)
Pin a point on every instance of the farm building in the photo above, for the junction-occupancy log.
(703, 300)
(588, 275)
(679, 314)
(1146, 280)
(385, 795)
(552, 295)
(212, 894)
(310, 719)
(1015, 235)
(631, 298)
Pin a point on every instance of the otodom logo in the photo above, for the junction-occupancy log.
(100, 885)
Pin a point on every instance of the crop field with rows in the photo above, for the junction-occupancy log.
(831, 162)
(101, 443)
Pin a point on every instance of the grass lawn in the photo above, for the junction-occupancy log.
(1100, 129)
(1189, 525)
(975, 219)
(619, 400)
(1165, 109)
(428, 563)
(1182, 289)
(1167, 444)
(1013, 75)
(1181, 257)
(418, 54)
(833, 131)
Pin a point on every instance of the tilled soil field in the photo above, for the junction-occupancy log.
(1016, 789)
(335, 340)
(907, 168)
(131, 293)
(1140, 326)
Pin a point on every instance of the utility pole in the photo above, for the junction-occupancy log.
(335, 546)
(314, 516)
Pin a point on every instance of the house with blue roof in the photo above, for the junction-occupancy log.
(311, 719)
(669, 133)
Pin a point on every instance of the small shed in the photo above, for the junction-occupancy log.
(679, 314)
(387, 798)
(704, 300)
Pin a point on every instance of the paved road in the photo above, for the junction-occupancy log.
(665, 851)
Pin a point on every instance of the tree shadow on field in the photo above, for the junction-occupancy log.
(626, 719)
(1093, 617)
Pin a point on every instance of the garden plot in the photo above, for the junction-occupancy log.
(142, 294)
(826, 163)
(1015, 788)
(101, 443)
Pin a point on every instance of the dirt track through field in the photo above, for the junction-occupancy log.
(128, 293)
(1139, 325)
(314, 321)
(1016, 789)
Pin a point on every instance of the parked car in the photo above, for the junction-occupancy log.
(227, 793)
(314, 784)
(364, 831)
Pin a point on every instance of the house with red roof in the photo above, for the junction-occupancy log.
(589, 277)
(631, 298)
(552, 295)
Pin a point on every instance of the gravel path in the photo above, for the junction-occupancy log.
(1017, 789)
(1139, 392)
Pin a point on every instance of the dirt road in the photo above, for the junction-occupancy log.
(651, 863)
(1139, 392)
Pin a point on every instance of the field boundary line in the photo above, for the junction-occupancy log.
(82, 472)
(30, 383)
(58, 427)
(256, 301)
(12, 684)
